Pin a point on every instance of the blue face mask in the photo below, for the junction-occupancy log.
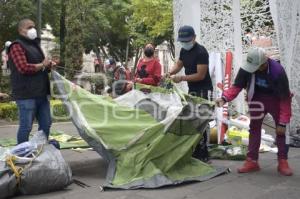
(187, 45)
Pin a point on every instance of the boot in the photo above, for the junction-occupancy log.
(283, 167)
(249, 166)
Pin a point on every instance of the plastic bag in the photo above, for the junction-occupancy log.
(229, 152)
(26, 149)
(48, 172)
(8, 182)
(3, 153)
(44, 171)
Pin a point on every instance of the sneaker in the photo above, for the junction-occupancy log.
(249, 166)
(283, 168)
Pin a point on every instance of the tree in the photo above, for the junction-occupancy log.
(75, 11)
(151, 21)
(11, 12)
(106, 29)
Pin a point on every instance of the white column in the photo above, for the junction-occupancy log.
(238, 52)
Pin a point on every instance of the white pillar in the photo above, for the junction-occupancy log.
(238, 52)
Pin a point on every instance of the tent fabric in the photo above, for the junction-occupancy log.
(146, 138)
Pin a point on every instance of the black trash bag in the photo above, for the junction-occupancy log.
(48, 172)
(8, 182)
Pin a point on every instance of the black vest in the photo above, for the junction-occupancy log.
(27, 86)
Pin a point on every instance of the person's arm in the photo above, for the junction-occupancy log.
(17, 54)
(202, 70)
(285, 96)
(285, 114)
(285, 110)
(230, 94)
(200, 75)
(176, 68)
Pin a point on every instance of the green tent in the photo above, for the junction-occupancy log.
(147, 135)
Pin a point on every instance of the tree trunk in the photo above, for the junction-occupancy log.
(127, 52)
(103, 51)
(62, 36)
(137, 57)
(172, 49)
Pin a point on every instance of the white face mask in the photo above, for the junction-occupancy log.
(187, 45)
(32, 33)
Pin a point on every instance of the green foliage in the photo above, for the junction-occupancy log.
(9, 110)
(11, 12)
(59, 110)
(156, 15)
(74, 39)
(105, 26)
(152, 21)
(51, 13)
(5, 84)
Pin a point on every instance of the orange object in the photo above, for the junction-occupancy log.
(283, 168)
(249, 166)
(227, 81)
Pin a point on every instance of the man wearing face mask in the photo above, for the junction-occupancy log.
(148, 69)
(194, 58)
(29, 80)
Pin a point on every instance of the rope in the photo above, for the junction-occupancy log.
(17, 170)
(77, 71)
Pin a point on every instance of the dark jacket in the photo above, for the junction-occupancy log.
(278, 83)
(26, 86)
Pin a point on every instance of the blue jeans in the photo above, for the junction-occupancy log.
(29, 109)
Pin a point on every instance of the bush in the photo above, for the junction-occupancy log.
(5, 84)
(59, 111)
(9, 111)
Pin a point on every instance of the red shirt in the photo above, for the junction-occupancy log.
(17, 54)
(149, 72)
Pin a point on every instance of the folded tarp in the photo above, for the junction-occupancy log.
(146, 138)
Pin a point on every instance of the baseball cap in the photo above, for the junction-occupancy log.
(185, 33)
(255, 58)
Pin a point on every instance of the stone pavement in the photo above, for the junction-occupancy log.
(88, 167)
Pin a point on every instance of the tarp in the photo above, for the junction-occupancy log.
(147, 139)
(65, 141)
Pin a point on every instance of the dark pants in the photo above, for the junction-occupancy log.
(261, 106)
(201, 151)
(29, 109)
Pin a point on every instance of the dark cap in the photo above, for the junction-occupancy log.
(185, 33)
